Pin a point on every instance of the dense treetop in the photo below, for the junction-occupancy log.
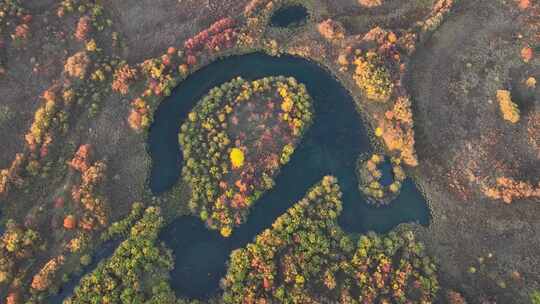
(307, 258)
(235, 140)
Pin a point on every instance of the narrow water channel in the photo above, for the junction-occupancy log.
(330, 147)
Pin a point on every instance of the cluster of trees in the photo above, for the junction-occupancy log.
(121, 228)
(49, 119)
(220, 34)
(93, 13)
(12, 175)
(509, 189)
(331, 29)
(306, 258)
(42, 156)
(440, 9)
(233, 142)
(163, 77)
(43, 279)
(87, 193)
(165, 72)
(137, 272)
(52, 118)
(18, 245)
(370, 176)
(509, 109)
(252, 8)
(397, 130)
(535, 297)
(123, 75)
(14, 17)
(77, 65)
(140, 116)
(160, 73)
(83, 29)
(10, 9)
(372, 77)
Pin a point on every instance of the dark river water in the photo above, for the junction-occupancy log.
(330, 147)
(289, 16)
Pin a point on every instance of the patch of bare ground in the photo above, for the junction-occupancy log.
(151, 26)
(125, 152)
(463, 143)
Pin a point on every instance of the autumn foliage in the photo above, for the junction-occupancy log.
(397, 132)
(372, 77)
(122, 77)
(92, 175)
(233, 146)
(139, 117)
(43, 279)
(527, 54)
(509, 189)
(508, 108)
(331, 29)
(18, 246)
(80, 161)
(77, 65)
(306, 258)
(370, 3)
(141, 257)
(70, 222)
(83, 28)
(370, 175)
(49, 118)
(219, 34)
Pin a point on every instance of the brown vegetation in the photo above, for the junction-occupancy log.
(83, 28)
(509, 189)
(370, 3)
(396, 130)
(527, 54)
(331, 29)
(43, 279)
(122, 77)
(77, 65)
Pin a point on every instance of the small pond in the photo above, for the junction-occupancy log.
(330, 147)
(287, 16)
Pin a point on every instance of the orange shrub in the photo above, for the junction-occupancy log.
(527, 54)
(13, 298)
(122, 77)
(83, 28)
(370, 3)
(43, 279)
(509, 189)
(331, 29)
(396, 130)
(80, 160)
(77, 65)
(70, 222)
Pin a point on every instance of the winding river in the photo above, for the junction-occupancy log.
(330, 146)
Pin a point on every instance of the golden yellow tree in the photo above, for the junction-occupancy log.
(508, 108)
